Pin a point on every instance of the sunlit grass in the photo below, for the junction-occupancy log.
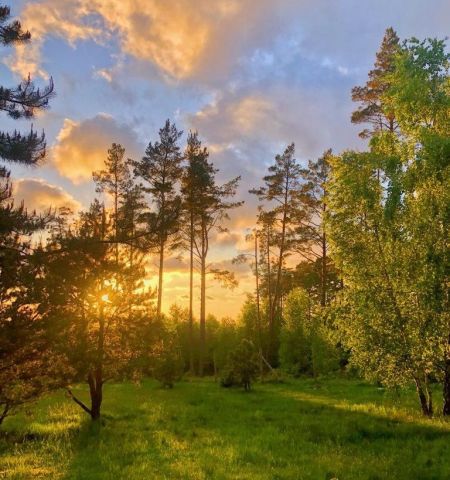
(301, 430)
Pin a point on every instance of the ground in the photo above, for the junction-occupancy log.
(303, 429)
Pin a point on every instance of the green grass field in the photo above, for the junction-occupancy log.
(299, 430)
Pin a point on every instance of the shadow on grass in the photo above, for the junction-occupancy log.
(203, 432)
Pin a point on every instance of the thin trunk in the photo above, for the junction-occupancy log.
(202, 303)
(130, 287)
(160, 276)
(258, 308)
(269, 285)
(191, 295)
(323, 277)
(161, 256)
(116, 226)
(276, 298)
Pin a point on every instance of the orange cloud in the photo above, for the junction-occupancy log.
(81, 147)
(180, 38)
(37, 194)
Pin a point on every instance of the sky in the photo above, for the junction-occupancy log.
(250, 75)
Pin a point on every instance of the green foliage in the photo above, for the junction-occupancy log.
(168, 364)
(388, 225)
(306, 346)
(242, 366)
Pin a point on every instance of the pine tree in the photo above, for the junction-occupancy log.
(115, 181)
(21, 102)
(370, 96)
(161, 171)
(283, 207)
(196, 157)
(25, 362)
(314, 244)
(208, 209)
(84, 296)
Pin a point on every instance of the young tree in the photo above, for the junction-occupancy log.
(242, 366)
(255, 265)
(372, 110)
(161, 171)
(295, 347)
(82, 295)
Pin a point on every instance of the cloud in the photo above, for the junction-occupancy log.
(81, 147)
(37, 194)
(246, 128)
(206, 40)
(265, 120)
(180, 39)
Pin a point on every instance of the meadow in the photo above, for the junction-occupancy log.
(302, 429)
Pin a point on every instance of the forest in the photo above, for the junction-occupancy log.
(349, 260)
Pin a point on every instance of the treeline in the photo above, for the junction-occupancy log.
(349, 254)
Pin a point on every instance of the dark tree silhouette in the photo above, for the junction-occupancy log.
(21, 102)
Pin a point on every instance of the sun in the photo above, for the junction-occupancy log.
(105, 298)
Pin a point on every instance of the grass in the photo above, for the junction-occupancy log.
(300, 430)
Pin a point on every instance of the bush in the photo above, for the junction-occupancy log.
(307, 346)
(242, 366)
(168, 365)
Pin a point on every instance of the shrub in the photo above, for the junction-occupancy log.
(168, 365)
(242, 366)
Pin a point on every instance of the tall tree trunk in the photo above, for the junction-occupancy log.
(130, 281)
(160, 276)
(191, 295)
(116, 223)
(202, 304)
(323, 276)
(258, 307)
(276, 298)
(269, 288)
